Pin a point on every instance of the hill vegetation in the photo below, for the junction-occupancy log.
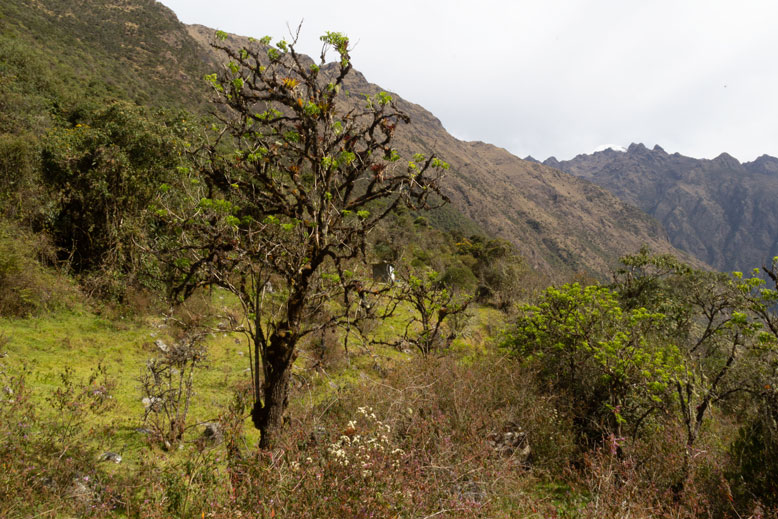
(157, 259)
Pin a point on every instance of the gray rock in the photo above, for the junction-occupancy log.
(84, 491)
(512, 442)
(111, 456)
(153, 403)
(213, 433)
(160, 344)
(470, 491)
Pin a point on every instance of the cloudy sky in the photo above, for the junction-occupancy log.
(553, 77)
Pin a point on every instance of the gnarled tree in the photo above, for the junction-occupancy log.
(282, 195)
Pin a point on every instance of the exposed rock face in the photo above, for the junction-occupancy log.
(721, 211)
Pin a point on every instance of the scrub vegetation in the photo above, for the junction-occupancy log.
(197, 318)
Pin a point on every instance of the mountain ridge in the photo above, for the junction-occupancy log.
(720, 210)
(561, 224)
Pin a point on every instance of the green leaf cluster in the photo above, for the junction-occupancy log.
(607, 360)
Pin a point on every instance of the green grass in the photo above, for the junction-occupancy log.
(81, 340)
(46, 346)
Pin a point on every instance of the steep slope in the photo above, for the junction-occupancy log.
(137, 49)
(55, 55)
(560, 223)
(723, 212)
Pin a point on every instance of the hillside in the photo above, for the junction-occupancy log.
(721, 211)
(560, 223)
(138, 50)
(61, 53)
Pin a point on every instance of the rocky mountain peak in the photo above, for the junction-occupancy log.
(638, 148)
(723, 212)
(764, 164)
(727, 160)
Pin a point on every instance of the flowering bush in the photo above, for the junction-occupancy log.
(365, 445)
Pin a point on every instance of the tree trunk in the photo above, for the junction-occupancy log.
(268, 415)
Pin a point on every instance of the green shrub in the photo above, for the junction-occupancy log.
(29, 285)
(600, 357)
(460, 278)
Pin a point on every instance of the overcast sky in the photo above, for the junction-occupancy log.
(553, 77)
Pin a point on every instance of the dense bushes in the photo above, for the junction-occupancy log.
(29, 284)
(667, 358)
(602, 358)
(103, 173)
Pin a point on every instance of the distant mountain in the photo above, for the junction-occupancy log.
(721, 211)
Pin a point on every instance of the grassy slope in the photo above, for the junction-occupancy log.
(95, 49)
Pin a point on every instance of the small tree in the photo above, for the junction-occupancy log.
(283, 194)
(433, 304)
(708, 317)
(718, 323)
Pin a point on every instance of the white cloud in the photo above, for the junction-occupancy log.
(554, 77)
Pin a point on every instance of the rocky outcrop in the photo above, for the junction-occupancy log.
(721, 211)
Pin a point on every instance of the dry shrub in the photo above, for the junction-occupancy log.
(167, 385)
(29, 285)
(617, 489)
(414, 443)
(646, 478)
(49, 456)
